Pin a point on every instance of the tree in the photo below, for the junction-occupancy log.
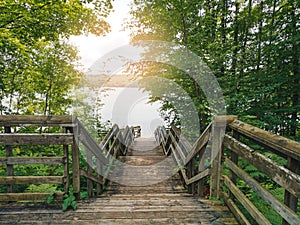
(252, 47)
(37, 65)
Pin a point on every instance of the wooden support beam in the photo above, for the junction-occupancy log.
(288, 214)
(9, 153)
(289, 199)
(89, 173)
(199, 144)
(253, 211)
(91, 177)
(66, 164)
(278, 143)
(76, 165)
(29, 196)
(32, 180)
(32, 160)
(216, 156)
(36, 139)
(18, 120)
(235, 209)
(281, 175)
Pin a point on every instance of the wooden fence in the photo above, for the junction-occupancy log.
(72, 142)
(225, 150)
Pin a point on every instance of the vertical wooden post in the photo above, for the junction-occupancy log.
(216, 156)
(189, 175)
(99, 172)
(234, 158)
(201, 167)
(290, 200)
(76, 163)
(89, 172)
(10, 168)
(66, 164)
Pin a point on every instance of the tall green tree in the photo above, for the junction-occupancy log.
(37, 66)
(251, 46)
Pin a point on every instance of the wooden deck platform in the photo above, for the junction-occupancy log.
(165, 202)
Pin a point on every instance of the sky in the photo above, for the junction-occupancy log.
(121, 105)
(92, 47)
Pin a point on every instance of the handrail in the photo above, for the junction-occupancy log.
(214, 139)
(112, 145)
(13, 141)
(72, 133)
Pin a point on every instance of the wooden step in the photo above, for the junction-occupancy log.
(163, 202)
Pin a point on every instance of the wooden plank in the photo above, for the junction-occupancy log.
(199, 144)
(32, 180)
(32, 160)
(248, 205)
(109, 136)
(216, 155)
(36, 139)
(91, 177)
(289, 199)
(18, 120)
(222, 121)
(199, 176)
(178, 148)
(9, 153)
(286, 146)
(29, 196)
(281, 175)
(289, 215)
(76, 163)
(66, 164)
(90, 144)
(179, 164)
(235, 210)
(89, 182)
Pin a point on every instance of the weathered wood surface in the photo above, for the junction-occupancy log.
(164, 202)
(32, 180)
(289, 215)
(32, 160)
(278, 143)
(281, 175)
(26, 196)
(36, 139)
(248, 205)
(18, 120)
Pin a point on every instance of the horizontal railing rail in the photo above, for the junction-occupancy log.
(224, 150)
(12, 141)
(286, 175)
(71, 141)
(114, 144)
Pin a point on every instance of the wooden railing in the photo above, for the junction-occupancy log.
(114, 144)
(71, 142)
(215, 145)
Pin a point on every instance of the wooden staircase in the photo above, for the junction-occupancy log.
(165, 202)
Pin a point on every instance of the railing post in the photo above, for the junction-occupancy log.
(89, 172)
(99, 171)
(290, 200)
(75, 163)
(216, 156)
(234, 158)
(201, 167)
(66, 164)
(10, 168)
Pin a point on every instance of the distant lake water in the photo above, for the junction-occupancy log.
(130, 106)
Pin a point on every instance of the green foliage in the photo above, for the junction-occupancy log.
(41, 188)
(251, 47)
(37, 66)
(70, 200)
